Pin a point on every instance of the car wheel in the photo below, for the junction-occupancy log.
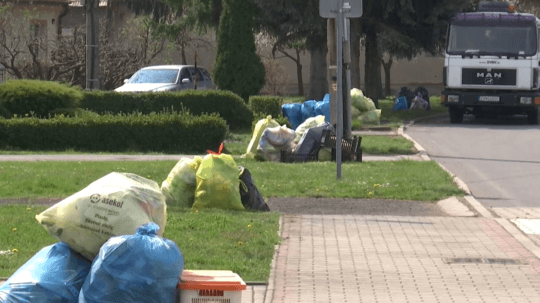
(456, 114)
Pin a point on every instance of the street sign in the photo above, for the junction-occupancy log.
(350, 9)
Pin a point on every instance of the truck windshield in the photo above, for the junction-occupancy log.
(492, 37)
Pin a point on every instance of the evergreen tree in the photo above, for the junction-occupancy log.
(237, 67)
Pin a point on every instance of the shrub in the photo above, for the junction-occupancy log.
(37, 98)
(228, 105)
(163, 132)
(237, 67)
(268, 105)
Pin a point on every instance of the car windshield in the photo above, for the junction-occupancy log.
(492, 37)
(155, 76)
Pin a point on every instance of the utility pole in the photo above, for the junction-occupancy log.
(340, 11)
(92, 44)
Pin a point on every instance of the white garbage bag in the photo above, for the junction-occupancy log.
(113, 205)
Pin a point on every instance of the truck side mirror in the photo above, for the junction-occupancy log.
(126, 80)
(185, 81)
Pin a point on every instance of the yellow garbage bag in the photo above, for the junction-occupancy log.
(113, 205)
(309, 123)
(257, 133)
(179, 187)
(218, 185)
(361, 102)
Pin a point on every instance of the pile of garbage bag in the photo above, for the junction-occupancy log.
(273, 141)
(124, 271)
(363, 108)
(212, 181)
(408, 100)
(297, 113)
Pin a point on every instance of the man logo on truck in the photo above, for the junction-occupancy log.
(489, 75)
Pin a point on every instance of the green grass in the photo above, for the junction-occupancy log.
(210, 239)
(387, 145)
(402, 180)
(372, 145)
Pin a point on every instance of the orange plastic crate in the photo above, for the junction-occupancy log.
(216, 286)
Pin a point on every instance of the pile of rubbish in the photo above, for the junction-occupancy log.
(363, 108)
(212, 181)
(408, 100)
(111, 245)
(272, 142)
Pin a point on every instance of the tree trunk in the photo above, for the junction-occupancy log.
(378, 79)
(355, 53)
(318, 86)
(299, 74)
(372, 65)
(387, 66)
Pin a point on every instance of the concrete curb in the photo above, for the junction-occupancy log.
(469, 197)
(518, 235)
(269, 294)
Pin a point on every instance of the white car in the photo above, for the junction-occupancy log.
(161, 78)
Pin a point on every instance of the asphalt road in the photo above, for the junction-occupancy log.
(499, 159)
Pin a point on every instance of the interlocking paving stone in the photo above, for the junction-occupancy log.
(400, 259)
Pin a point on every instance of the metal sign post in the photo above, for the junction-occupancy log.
(340, 10)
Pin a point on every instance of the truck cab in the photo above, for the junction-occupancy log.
(491, 63)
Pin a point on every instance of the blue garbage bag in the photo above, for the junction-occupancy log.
(134, 268)
(308, 109)
(400, 103)
(323, 108)
(293, 112)
(55, 274)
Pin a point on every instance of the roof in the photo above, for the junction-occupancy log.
(166, 66)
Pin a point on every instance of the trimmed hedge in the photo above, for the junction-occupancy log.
(37, 98)
(228, 105)
(267, 105)
(163, 132)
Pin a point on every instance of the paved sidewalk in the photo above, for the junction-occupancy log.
(401, 259)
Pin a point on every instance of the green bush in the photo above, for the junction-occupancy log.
(228, 105)
(37, 98)
(163, 132)
(237, 67)
(268, 105)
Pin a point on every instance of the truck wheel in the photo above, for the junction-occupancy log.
(532, 117)
(456, 114)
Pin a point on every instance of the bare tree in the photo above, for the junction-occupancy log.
(24, 51)
(24, 54)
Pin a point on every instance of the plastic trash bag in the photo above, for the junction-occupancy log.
(54, 274)
(293, 113)
(257, 133)
(418, 103)
(251, 198)
(323, 107)
(308, 109)
(273, 140)
(113, 205)
(135, 268)
(371, 117)
(400, 103)
(361, 102)
(179, 187)
(311, 140)
(217, 183)
(309, 123)
(279, 136)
